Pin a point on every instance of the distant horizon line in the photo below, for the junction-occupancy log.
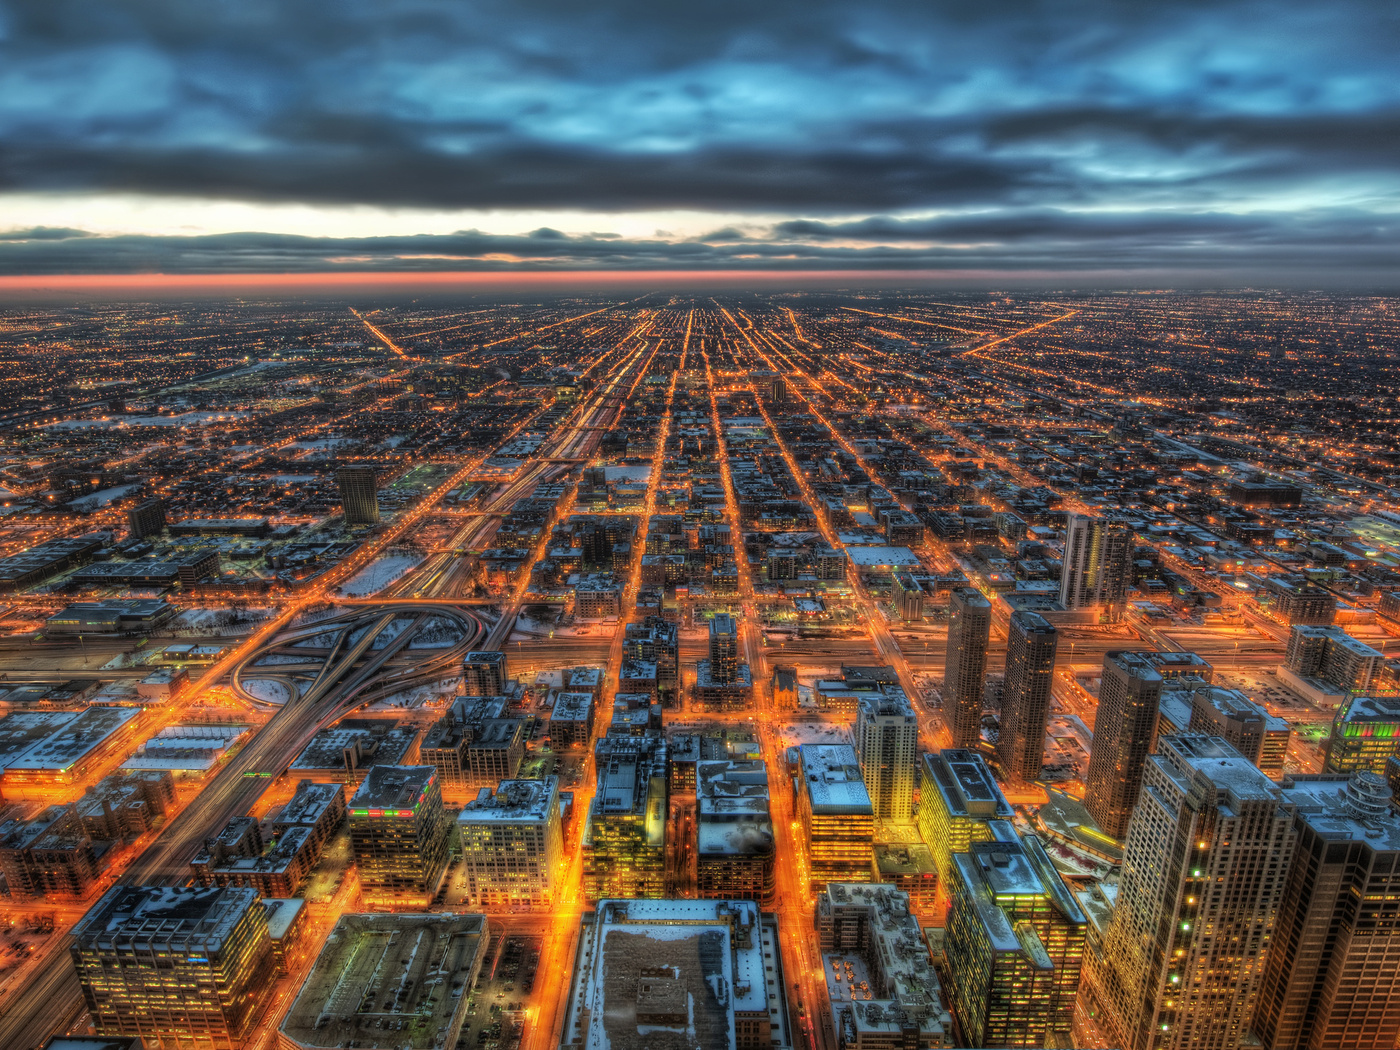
(1077, 281)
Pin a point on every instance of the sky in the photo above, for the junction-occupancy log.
(996, 141)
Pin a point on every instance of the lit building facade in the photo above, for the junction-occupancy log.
(958, 798)
(624, 840)
(836, 814)
(969, 628)
(1125, 730)
(1365, 734)
(1330, 978)
(183, 968)
(1098, 565)
(1014, 944)
(734, 843)
(1204, 869)
(887, 743)
(400, 833)
(512, 843)
(1025, 706)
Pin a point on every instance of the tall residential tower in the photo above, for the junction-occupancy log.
(1025, 705)
(969, 627)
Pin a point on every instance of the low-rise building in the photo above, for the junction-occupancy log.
(571, 720)
(406, 974)
(674, 973)
(903, 1005)
(734, 843)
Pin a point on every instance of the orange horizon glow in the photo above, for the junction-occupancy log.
(12, 284)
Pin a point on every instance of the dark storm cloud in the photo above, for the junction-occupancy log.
(1227, 127)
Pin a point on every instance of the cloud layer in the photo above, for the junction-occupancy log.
(1047, 135)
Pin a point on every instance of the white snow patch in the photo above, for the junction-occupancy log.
(379, 573)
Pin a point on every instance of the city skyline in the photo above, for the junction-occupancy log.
(789, 526)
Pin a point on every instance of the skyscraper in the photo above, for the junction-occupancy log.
(1025, 705)
(147, 518)
(1098, 565)
(887, 742)
(1014, 944)
(484, 674)
(1204, 870)
(359, 494)
(969, 626)
(179, 967)
(1124, 732)
(1330, 977)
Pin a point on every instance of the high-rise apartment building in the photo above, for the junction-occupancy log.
(1365, 733)
(887, 743)
(722, 681)
(1125, 730)
(484, 674)
(1025, 705)
(400, 833)
(147, 518)
(1014, 944)
(958, 800)
(624, 840)
(835, 811)
(359, 494)
(1251, 730)
(969, 627)
(1204, 869)
(1330, 976)
(181, 967)
(1325, 663)
(1098, 565)
(656, 640)
(512, 842)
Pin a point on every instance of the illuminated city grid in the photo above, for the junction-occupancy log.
(625, 623)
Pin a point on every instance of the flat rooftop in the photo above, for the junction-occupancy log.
(966, 784)
(1213, 758)
(166, 918)
(68, 743)
(380, 741)
(1373, 709)
(571, 707)
(394, 787)
(309, 803)
(671, 975)
(514, 802)
(405, 974)
(832, 780)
